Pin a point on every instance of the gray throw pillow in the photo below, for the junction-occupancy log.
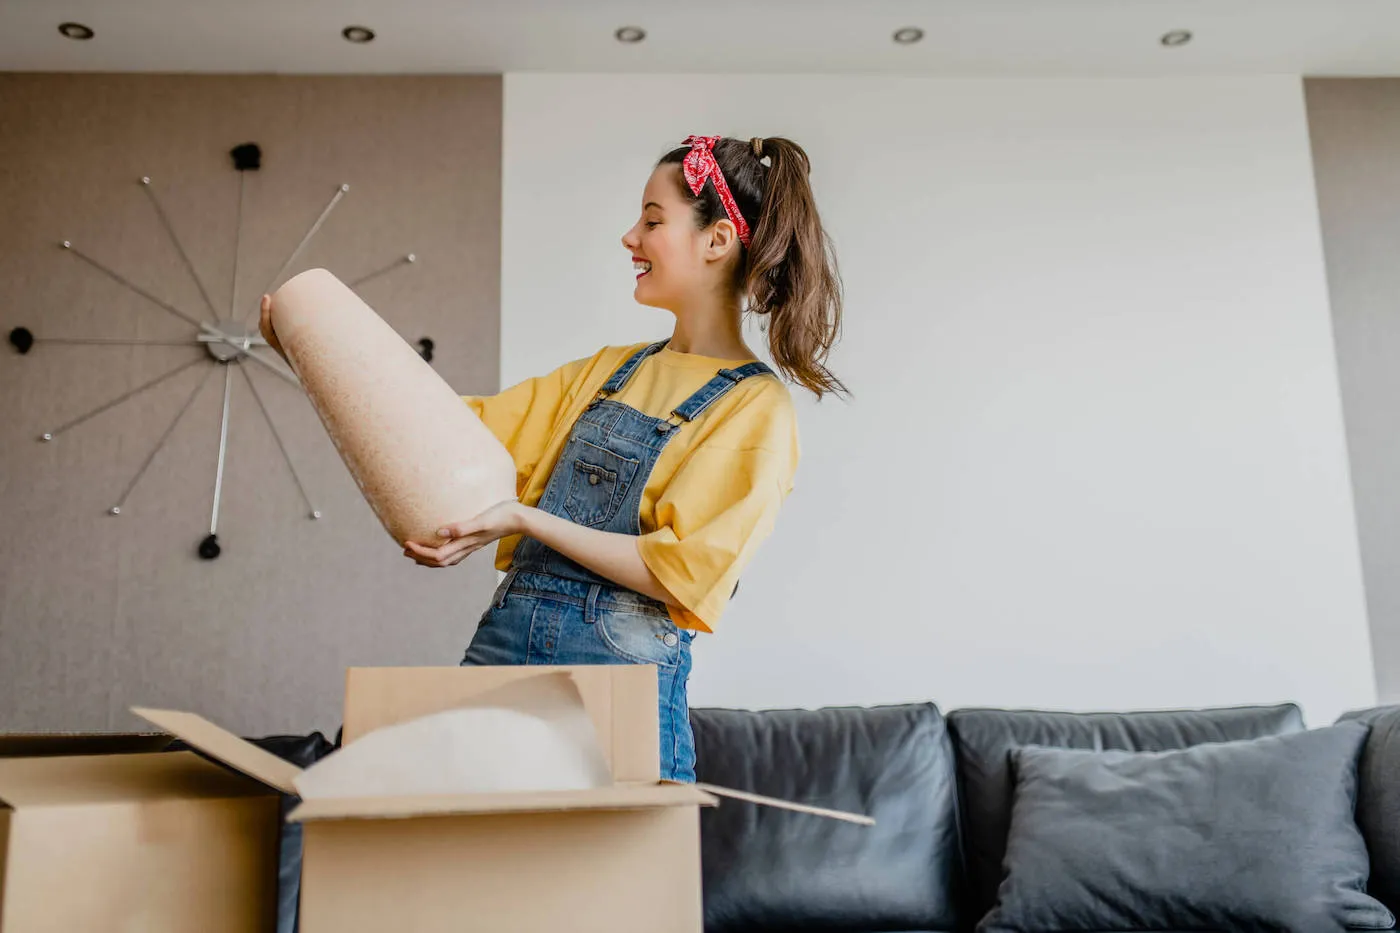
(1256, 835)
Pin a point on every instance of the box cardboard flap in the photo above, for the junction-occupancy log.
(226, 747)
(620, 698)
(71, 780)
(47, 744)
(617, 797)
(759, 799)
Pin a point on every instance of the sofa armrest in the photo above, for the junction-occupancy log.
(1378, 801)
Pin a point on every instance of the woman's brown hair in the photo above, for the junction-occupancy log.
(788, 271)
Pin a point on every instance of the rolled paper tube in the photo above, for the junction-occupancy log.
(420, 456)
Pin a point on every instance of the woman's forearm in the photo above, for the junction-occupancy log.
(612, 556)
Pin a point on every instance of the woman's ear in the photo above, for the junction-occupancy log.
(724, 237)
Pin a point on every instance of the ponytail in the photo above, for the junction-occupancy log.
(788, 272)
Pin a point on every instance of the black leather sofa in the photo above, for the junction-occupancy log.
(940, 789)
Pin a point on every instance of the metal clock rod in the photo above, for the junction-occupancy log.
(205, 328)
(340, 193)
(237, 243)
(401, 261)
(179, 248)
(120, 280)
(277, 436)
(223, 451)
(245, 351)
(115, 342)
(50, 435)
(170, 429)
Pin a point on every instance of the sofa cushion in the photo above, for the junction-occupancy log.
(983, 739)
(1252, 835)
(773, 870)
(1378, 801)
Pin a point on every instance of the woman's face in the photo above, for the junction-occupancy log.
(672, 259)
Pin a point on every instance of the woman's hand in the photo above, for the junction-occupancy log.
(466, 538)
(265, 326)
(610, 555)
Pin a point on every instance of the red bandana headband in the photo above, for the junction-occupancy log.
(700, 166)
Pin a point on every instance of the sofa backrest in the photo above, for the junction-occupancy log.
(1378, 802)
(767, 869)
(984, 738)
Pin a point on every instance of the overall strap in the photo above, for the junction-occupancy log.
(626, 370)
(716, 388)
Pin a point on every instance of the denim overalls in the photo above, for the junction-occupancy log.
(550, 610)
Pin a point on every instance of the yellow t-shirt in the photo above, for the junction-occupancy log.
(717, 485)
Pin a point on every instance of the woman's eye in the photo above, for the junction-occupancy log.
(653, 223)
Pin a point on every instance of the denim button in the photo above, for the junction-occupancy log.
(663, 427)
(671, 640)
(593, 479)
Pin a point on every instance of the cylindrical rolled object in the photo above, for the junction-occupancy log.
(420, 455)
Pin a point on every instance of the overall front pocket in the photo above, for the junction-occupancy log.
(598, 482)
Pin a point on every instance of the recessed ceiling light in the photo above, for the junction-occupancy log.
(76, 31)
(908, 35)
(1176, 37)
(358, 34)
(630, 34)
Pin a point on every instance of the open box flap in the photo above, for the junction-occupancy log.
(759, 799)
(226, 747)
(617, 797)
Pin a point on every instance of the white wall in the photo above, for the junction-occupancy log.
(1095, 457)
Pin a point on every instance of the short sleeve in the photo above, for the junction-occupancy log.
(712, 517)
(524, 417)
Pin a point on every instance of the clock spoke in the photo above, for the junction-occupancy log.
(122, 280)
(169, 430)
(273, 368)
(50, 435)
(277, 436)
(223, 452)
(407, 260)
(340, 193)
(114, 342)
(179, 247)
(237, 244)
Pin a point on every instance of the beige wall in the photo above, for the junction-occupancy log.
(1356, 150)
(98, 612)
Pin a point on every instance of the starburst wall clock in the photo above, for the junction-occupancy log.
(227, 342)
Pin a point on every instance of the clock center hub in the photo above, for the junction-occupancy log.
(242, 336)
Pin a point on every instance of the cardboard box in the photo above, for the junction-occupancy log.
(622, 858)
(105, 833)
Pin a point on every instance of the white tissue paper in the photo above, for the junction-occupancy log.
(533, 734)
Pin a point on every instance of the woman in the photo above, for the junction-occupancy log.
(648, 474)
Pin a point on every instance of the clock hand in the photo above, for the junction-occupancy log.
(207, 328)
(243, 344)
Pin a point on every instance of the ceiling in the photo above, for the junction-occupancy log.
(962, 37)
